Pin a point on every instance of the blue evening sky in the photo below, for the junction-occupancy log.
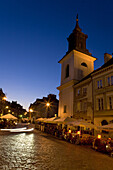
(33, 38)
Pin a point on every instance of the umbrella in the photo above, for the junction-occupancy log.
(84, 124)
(66, 120)
(40, 119)
(106, 127)
(8, 116)
(51, 120)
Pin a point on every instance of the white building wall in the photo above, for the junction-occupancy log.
(66, 92)
(68, 60)
(66, 98)
(79, 70)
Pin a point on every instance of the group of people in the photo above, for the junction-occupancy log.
(4, 123)
(55, 130)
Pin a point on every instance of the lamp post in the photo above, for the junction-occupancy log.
(48, 105)
(30, 111)
(3, 99)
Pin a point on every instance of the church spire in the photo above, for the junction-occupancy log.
(77, 40)
(77, 25)
(77, 17)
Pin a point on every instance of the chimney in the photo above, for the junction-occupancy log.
(107, 57)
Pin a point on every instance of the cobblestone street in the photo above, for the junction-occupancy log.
(41, 151)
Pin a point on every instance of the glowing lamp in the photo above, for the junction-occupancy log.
(4, 98)
(99, 136)
(69, 131)
(47, 104)
(30, 110)
(78, 132)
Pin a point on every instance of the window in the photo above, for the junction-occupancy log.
(78, 92)
(84, 64)
(65, 108)
(110, 102)
(110, 80)
(84, 91)
(84, 106)
(100, 104)
(67, 71)
(99, 84)
(79, 106)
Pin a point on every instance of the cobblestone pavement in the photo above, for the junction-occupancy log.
(40, 151)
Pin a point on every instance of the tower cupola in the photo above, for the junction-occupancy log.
(77, 40)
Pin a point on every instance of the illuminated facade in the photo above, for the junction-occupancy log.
(83, 100)
(75, 65)
(102, 80)
(45, 107)
(85, 93)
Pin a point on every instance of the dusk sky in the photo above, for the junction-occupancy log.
(33, 38)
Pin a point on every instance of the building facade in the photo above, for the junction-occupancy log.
(85, 93)
(83, 100)
(102, 80)
(45, 107)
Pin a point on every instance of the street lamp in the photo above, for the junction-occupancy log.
(4, 98)
(2, 104)
(7, 107)
(48, 105)
(30, 111)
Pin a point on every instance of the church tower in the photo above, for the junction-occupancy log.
(75, 65)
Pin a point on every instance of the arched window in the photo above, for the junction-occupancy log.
(67, 71)
(84, 64)
(104, 122)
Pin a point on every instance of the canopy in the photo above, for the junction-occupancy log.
(40, 119)
(75, 122)
(47, 120)
(84, 124)
(8, 116)
(66, 120)
(51, 120)
(106, 127)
